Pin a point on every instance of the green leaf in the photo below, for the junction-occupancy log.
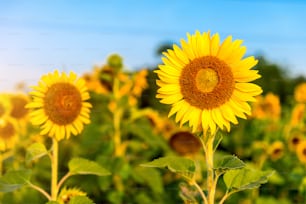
(243, 179)
(84, 166)
(13, 180)
(229, 162)
(149, 176)
(35, 151)
(80, 200)
(180, 165)
(52, 202)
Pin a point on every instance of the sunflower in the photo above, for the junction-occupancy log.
(298, 113)
(5, 105)
(267, 107)
(300, 93)
(8, 133)
(68, 193)
(59, 105)
(295, 138)
(185, 143)
(276, 150)
(207, 83)
(18, 102)
(301, 151)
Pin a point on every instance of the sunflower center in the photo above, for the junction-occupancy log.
(19, 110)
(206, 79)
(62, 103)
(6, 130)
(207, 82)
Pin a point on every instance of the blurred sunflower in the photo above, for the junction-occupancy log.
(267, 107)
(67, 193)
(18, 103)
(185, 143)
(295, 138)
(207, 83)
(301, 151)
(140, 82)
(300, 93)
(298, 113)
(276, 150)
(5, 105)
(59, 105)
(8, 133)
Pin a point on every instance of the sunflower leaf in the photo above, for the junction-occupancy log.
(14, 180)
(84, 166)
(180, 165)
(52, 202)
(229, 162)
(243, 179)
(35, 151)
(80, 200)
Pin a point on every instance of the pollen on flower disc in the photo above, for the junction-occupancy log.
(207, 82)
(63, 103)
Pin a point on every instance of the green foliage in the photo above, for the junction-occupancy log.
(243, 179)
(80, 200)
(13, 180)
(180, 165)
(84, 166)
(229, 162)
(35, 151)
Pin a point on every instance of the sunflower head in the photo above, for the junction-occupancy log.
(18, 103)
(301, 151)
(207, 83)
(8, 133)
(276, 150)
(298, 114)
(59, 105)
(300, 93)
(5, 105)
(296, 137)
(267, 107)
(185, 143)
(67, 193)
(115, 61)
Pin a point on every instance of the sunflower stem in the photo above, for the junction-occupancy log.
(208, 146)
(54, 170)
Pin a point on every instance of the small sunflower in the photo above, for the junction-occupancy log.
(185, 143)
(267, 107)
(298, 113)
(18, 102)
(8, 133)
(276, 150)
(301, 151)
(300, 93)
(59, 105)
(67, 193)
(5, 105)
(207, 83)
(295, 138)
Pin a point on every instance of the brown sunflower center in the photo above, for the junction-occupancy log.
(19, 110)
(207, 82)
(62, 103)
(7, 130)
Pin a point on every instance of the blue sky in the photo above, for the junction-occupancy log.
(37, 37)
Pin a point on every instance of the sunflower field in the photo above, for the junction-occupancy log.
(207, 125)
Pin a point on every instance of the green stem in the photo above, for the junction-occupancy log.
(42, 191)
(226, 195)
(54, 170)
(210, 170)
(194, 183)
(117, 133)
(60, 183)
